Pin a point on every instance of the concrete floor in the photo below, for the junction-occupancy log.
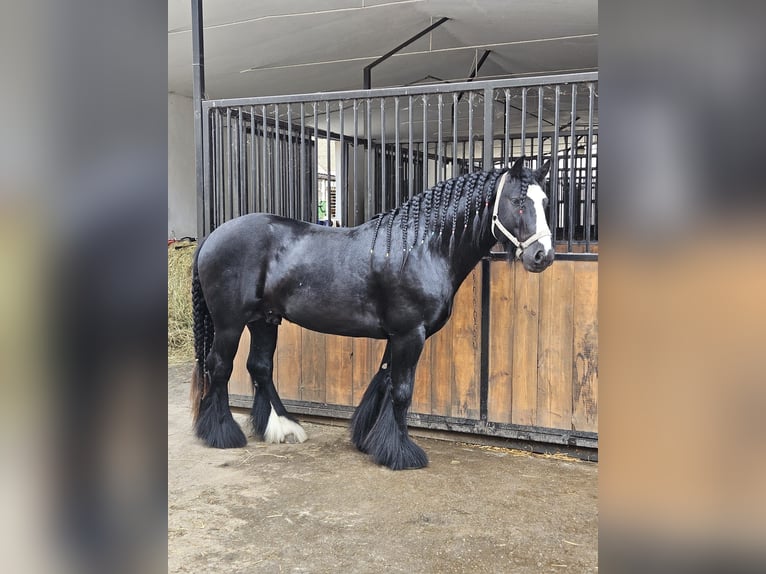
(323, 507)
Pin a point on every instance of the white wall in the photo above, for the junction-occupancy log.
(182, 194)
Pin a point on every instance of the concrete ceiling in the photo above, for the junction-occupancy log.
(272, 47)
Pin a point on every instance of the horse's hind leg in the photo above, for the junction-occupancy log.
(368, 410)
(215, 425)
(271, 421)
(388, 441)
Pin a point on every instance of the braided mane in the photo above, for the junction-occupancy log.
(440, 210)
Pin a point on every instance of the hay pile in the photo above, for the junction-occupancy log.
(180, 321)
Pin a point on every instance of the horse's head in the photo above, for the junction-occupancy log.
(518, 217)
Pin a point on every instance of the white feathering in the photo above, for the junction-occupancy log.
(279, 428)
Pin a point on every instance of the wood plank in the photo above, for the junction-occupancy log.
(442, 364)
(360, 365)
(339, 370)
(585, 383)
(313, 363)
(240, 382)
(525, 335)
(421, 396)
(554, 380)
(466, 337)
(288, 376)
(502, 304)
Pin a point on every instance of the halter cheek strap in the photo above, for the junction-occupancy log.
(496, 224)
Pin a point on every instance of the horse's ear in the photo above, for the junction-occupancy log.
(541, 172)
(517, 170)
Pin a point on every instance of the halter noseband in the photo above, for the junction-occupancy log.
(520, 245)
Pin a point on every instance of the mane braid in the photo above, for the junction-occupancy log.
(459, 192)
(389, 229)
(437, 191)
(450, 184)
(375, 236)
(405, 223)
(415, 215)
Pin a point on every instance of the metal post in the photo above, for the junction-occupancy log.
(198, 72)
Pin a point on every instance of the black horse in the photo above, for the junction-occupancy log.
(391, 278)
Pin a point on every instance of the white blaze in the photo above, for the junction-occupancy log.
(536, 194)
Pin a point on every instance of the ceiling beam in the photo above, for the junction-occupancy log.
(368, 68)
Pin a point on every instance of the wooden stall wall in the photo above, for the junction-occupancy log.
(542, 363)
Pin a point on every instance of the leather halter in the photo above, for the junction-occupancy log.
(496, 223)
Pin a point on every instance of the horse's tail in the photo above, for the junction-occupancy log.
(203, 340)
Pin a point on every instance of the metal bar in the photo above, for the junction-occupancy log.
(290, 165)
(328, 203)
(229, 161)
(397, 153)
(484, 341)
(370, 183)
(439, 152)
(198, 91)
(523, 122)
(539, 126)
(277, 164)
(264, 165)
(340, 179)
(470, 132)
(425, 142)
(356, 145)
(549, 80)
(383, 158)
(252, 193)
(204, 206)
(507, 128)
(240, 167)
(503, 256)
(315, 169)
(302, 198)
(553, 200)
(411, 151)
(488, 147)
(455, 170)
(367, 79)
(588, 174)
(572, 146)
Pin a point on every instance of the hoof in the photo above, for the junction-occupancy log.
(281, 429)
(220, 433)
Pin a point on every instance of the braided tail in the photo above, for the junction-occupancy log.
(203, 341)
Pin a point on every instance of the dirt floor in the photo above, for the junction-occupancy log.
(323, 507)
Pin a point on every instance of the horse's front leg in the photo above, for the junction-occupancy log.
(388, 441)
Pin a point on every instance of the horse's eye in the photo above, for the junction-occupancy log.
(516, 201)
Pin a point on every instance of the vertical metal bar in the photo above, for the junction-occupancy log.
(507, 128)
(200, 157)
(356, 146)
(523, 122)
(486, 267)
(219, 172)
(290, 164)
(425, 142)
(455, 170)
(369, 210)
(251, 192)
(329, 162)
(397, 153)
(572, 146)
(264, 163)
(302, 196)
(315, 191)
(488, 147)
(203, 201)
(340, 178)
(439, 162)
(277, 164)
(470, 132)
(241, 190)
(229, 175)
(588, 175)
(539, 126)
(383, 156)
(410, 151)
(553, 200)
